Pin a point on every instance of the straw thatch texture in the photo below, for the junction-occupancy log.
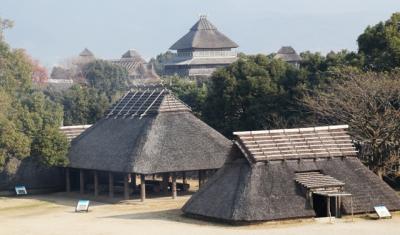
(167, 139)
(241, 191)
(203, 35)
(287, 54)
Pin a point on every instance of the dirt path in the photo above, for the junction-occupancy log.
(54, 214)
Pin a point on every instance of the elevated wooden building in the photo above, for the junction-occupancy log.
(201, 51)
(291, 173)
(148, 131)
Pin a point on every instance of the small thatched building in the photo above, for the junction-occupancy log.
(291, 173)
(148, 131)
(289, 55)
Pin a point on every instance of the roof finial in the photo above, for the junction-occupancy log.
(203, 16)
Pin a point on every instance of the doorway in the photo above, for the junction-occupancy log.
(320, 205)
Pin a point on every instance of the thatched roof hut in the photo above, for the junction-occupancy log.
(149, 131)
(291, 173)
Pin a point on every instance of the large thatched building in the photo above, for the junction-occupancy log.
(291, 173)
(148, 131)
(202, 50)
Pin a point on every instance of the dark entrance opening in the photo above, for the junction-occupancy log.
(320, 204)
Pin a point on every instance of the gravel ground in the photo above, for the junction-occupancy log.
(54, 214)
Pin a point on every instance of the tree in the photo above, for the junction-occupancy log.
(380, 44)
(252, 93)
(160, 60)
(27, 118)
(370, 104)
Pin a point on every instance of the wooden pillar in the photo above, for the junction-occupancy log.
(165, 182)
(126, 187)
(67, 180)
(328, 207)
(142, 187)
(174, 193)
(200, 178)
(133, 180)
(184, 181)
(81, 181)
(96, 183)
(110, 184)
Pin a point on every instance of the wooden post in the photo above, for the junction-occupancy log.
(142, 187)
(96, 183)
(81, 181)
(174, 193)
(200, 178)
(184, 181)
(165, 182)
(126, 187)
(67, 180)
(133, 181)
(110, 185)
(328, 204)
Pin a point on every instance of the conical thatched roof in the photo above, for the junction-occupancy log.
(288, 54)
(251, 188)
(205, 35)
(149, 131)
(134, 55)
(86, 53)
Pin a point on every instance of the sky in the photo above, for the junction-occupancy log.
(54, 30)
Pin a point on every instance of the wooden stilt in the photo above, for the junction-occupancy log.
(81, 181)
(174, 193)
(328, 204)
(184, 181)
(96, 183)
(67, 180)
(126, 187)
(133, 180)
(110, 184)
(165, 182)
(142, 188)
(200, 178)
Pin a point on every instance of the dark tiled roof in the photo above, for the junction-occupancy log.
(315, 142)
(203, 35)
(287, 54)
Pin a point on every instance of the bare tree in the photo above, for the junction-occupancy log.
(370, 104)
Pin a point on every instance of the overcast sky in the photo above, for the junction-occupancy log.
(52, 30)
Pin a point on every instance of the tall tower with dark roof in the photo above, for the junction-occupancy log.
(202, 50)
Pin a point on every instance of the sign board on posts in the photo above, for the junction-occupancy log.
(83, 205)
(20, 190)
(382, 212)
